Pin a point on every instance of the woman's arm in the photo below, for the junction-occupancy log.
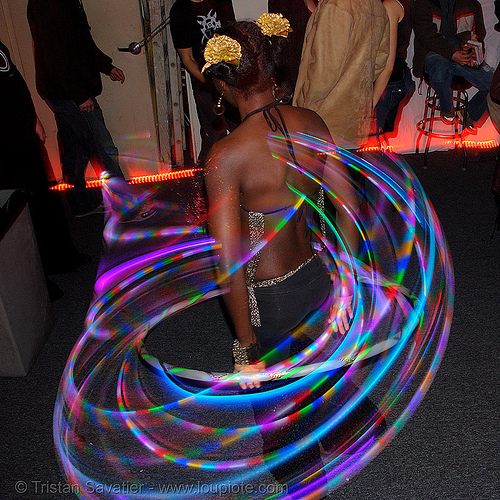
(224, 222)
(337, 178)
(395, 12)
(311, 4)
(343, 196)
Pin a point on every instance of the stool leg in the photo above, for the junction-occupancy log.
(456, 106)
(422, 125)
(466, 107)
(432, 112)
(418, 141)
(458, 135)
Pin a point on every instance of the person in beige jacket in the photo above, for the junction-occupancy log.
(346, 47)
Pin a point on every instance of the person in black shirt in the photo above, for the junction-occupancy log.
(21, 133)
(24, 165)
(192, 24)
(68, 67)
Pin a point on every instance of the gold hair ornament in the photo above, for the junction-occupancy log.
(274, 24)
(221, 48)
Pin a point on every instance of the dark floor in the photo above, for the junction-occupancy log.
(448, 450)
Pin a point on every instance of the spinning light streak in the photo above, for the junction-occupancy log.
(130, 425)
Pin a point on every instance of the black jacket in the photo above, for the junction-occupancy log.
(68, 63)
(467, 20)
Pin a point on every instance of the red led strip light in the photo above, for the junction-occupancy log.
(181, 174)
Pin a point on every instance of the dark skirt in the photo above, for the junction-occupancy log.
(286, 305)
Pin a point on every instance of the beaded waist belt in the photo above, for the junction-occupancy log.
(252, 299)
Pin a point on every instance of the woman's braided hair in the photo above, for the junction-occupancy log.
(260, 62)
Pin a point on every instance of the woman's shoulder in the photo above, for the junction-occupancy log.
(227, 153)
(309, 122)
(395, 8)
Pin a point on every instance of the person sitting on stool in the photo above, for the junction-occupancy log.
(443, 29)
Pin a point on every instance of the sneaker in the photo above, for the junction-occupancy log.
(468, 123)
(447, 117)
(147, 211)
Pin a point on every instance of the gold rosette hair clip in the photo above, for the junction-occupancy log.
(274, 24)
(221, 48)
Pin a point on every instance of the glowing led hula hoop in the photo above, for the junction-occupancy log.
(123, 416)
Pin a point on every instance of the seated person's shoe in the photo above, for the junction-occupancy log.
(447, 117)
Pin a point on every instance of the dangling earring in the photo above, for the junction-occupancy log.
(219, 108)
(274, 88)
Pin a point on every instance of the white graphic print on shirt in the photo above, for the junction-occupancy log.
(209, 24)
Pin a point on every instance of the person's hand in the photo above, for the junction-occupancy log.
(117, 75)
(462, 57)
(341, 318)
(87, 106)
(40, 131)
(253, 368)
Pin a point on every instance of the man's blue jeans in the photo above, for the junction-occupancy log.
(387, 107)
(441, 72)
(83, 137)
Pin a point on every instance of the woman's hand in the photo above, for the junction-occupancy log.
(253, 368)
(341, 317)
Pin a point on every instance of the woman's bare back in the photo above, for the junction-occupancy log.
(264, 184)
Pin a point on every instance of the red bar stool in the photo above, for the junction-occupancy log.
(432, 113)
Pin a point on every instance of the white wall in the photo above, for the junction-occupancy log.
(249, 9)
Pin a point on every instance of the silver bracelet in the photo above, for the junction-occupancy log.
(245, 355)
